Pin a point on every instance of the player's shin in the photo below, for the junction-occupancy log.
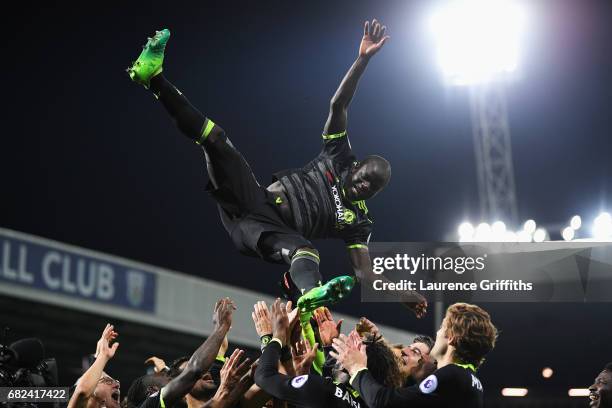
(304, 270)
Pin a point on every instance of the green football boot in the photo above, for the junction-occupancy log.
(150, 60)
(327, 294)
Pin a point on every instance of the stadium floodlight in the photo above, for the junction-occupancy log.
(498, 231)
(524, 236)
(466, 232)
(510, 236)
(568, 233)
(576, 222)
(529, 226)
(539, 235)
(514, 392)
(477, 40)
(483, 233)
(602, 226)
(578, 392)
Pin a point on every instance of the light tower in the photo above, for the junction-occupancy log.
(477, 45)
(493, 152)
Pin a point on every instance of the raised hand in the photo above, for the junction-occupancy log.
(222, 316)
(103, 347)
(294, 332)
(251, 373)
(158, 364)
(349, 352)
(354, 341)
(280, 321)
(303, 355)
(261, 318)
(365, 326)
(234, 369)
(416, 302)
(292, 315)
(328, 328)
(373, 38)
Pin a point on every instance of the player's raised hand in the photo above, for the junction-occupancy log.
(374, 37)
(303, 355)
(349, 352)
(416, 302)
(234, 369)
(280, 321)
(261, 318)
(328, 328)
(103, 347)
(365, 326)
(294, 331)
(158, 364)
(222, 316)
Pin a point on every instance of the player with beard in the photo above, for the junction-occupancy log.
(194, 373)
(324, 199)
(464, 339)
(95, 388)
(307, 389)
(600, 393)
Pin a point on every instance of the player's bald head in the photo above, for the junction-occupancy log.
(380, 169)
(368, 178)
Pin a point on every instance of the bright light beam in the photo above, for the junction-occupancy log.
(478, 40)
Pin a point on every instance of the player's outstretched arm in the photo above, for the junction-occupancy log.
(362, 266)
(373, 39)
(203, 357)
(86, 385)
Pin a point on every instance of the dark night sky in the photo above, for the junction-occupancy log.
(89, 158)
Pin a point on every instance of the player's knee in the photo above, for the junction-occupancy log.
(306, 253)
(216, 136)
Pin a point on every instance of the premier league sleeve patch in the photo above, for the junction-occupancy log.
(297, 382)
(429, 384)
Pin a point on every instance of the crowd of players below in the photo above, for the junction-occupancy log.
(306, 361)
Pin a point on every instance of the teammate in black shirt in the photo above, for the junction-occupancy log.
(324, 199)
(174, 392)
(312, 390)
(465, 337)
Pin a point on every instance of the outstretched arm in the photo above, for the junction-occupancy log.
(203, 357)
(86, 385)
(373, 39)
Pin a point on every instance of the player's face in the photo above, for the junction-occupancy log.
(108, 392)
(601, 391)
(441, 344)
(411, 359)
(205, 387)
(360, 184)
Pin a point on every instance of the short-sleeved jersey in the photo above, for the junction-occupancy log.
(317, 199)
(450, 386)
